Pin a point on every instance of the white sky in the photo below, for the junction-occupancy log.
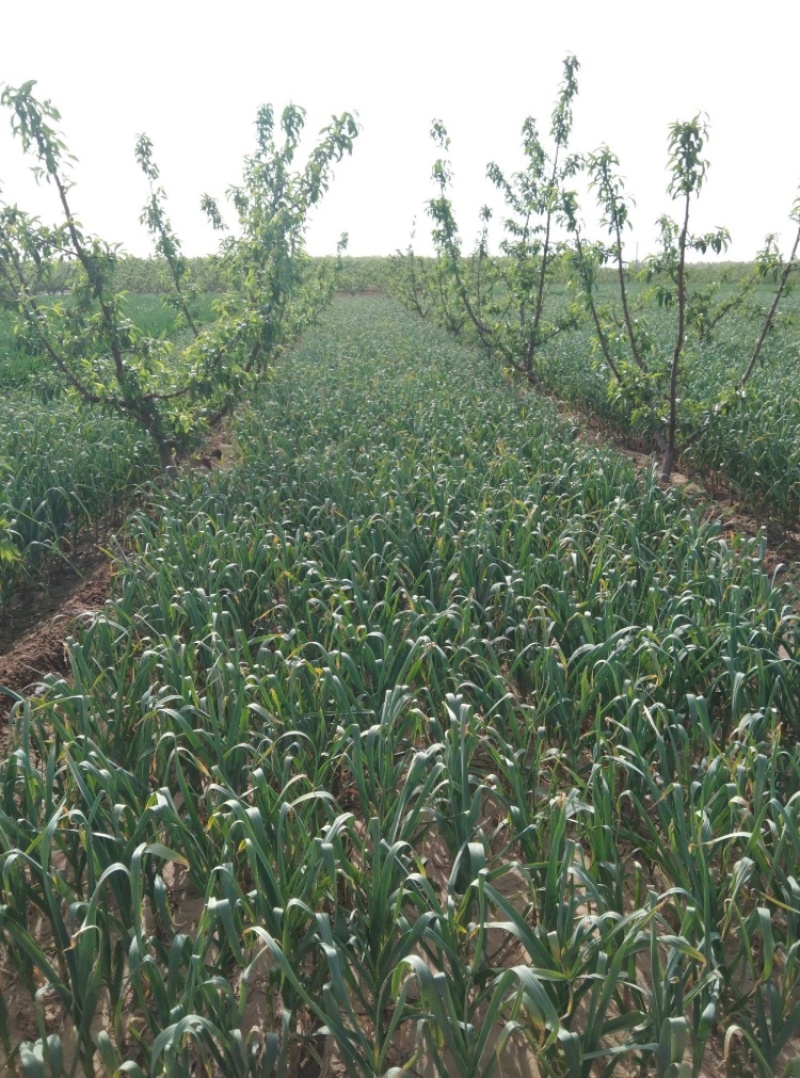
(192, 75)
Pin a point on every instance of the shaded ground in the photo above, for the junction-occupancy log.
(36, 602)
(38, 622)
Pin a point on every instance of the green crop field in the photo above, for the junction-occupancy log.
(63, 465)
(749, 450)
(753, 450)
(423, 739)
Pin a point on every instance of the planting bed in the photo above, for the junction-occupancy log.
(421, 736)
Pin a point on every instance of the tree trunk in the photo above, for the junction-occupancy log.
(668, 463)
(166, 455)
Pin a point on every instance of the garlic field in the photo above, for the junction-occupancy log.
(421, 739)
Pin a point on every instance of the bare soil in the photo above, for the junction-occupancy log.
(38, 622)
